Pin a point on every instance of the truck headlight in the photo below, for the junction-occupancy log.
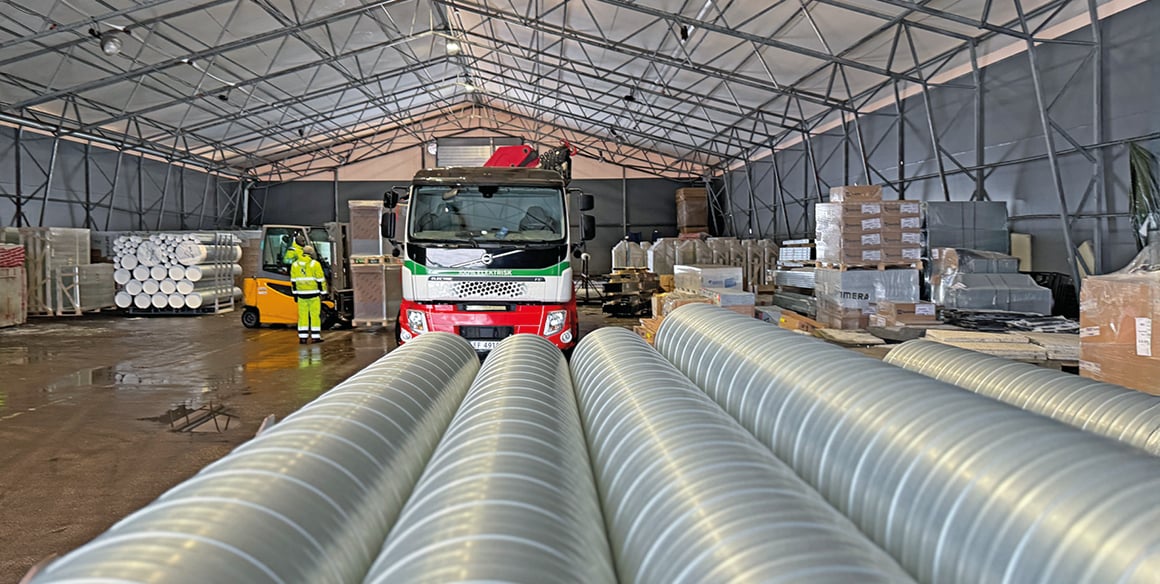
(417, 321)
(555, 322)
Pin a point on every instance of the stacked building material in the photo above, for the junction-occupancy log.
(869, 233)
(52, 256)
(795, 253)
(1117, 342)
(847, 298)
(177, 272)
(693, 210)
(13, 286)
(969, 279)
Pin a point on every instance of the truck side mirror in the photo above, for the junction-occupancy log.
(587, 227)
(388, 225)
(587, 202)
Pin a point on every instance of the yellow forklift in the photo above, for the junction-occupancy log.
(269, 298)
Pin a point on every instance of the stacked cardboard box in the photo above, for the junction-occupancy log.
(868, 232)
(693, 210)
(894, 313)
(1117, 343)
(737, 301)
(795, 253)
(694, 278)
(847, 298)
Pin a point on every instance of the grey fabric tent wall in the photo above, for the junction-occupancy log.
(1011, 134)
(650, 205)
(120, 191)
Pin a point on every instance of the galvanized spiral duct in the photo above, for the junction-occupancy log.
(958, 487)
(309, 500)
(508, 495)
(689, 495)
(1132, 417)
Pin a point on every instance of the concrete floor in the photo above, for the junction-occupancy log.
(85, 405)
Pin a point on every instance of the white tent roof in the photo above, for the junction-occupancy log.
(672, 86)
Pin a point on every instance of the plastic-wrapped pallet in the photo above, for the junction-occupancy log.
(738, 301)
(694, 278)
(366, 228)
(869, 233)
(628, 254)
(370, 294)
(13, 297)
(846, 298)
(1118, 340)
(662, 256)
(1011, 292)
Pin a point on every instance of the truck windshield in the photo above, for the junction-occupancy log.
(475, 214)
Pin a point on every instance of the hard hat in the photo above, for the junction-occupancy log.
(309, 250)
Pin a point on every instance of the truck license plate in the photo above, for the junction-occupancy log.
(484, 345)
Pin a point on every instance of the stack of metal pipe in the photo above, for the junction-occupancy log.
(1122, 414)
(958, 487)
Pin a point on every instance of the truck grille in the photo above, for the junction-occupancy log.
(486, 333)
(479, 289)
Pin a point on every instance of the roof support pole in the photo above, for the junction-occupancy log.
(18, 215)
(1098, 132)
(1052, 157)
(980, 154)
(900, 129)
(88, 187)
(48, 175)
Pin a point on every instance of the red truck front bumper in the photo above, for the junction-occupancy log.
(485, 328)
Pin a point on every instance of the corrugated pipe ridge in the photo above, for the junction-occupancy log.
(958, 487)
(689, 495)
(1122, 414)
(309, 500)
(508, 495)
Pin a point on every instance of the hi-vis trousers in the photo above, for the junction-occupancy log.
(310, 317)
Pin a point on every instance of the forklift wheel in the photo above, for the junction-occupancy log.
(329, 318)
(250, 318)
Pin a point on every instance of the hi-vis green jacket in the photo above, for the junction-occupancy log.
(307, 278)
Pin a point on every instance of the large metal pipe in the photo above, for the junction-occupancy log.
(508, 495)
(309, 500)
(689, 495)
(1131, 417)
(958, 487)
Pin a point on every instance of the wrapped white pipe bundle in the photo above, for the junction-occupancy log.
(158, 272)
(141, 273)
(176, 301)
(189, 253)
(150, 286)
(176, 273)
(142, 301)
(134, 287)
(199, 299)
(199, 273)
(123, 299)
(122, 276)
(128, 262)
(167, 286)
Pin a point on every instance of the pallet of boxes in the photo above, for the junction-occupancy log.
(1118, 316)
(699, 284)
(868, 251)
(693, 210)
(375, 278)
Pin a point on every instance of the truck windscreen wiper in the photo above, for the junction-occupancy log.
(470, 238)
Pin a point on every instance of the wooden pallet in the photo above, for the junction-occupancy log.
(952, 337)
(1059, 346)
(1007, 350)
(848, 338)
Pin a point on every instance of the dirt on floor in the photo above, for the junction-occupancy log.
(100, 415)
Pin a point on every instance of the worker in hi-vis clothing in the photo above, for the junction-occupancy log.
(309, 285)
(294, 251)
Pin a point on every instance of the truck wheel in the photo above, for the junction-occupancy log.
(251, 318)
